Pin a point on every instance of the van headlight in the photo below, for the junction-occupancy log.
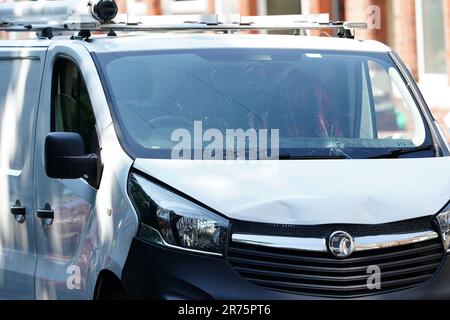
(443, 219)
(170, 220)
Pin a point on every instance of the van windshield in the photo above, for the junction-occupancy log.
(299, 103)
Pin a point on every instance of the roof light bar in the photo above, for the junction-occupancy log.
(101, 15)
(229, 23)
(233, 20)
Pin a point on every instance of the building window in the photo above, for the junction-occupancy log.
(136, 7)
(431, 36)
(283, 7)
(185, 6)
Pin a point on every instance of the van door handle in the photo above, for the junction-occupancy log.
(19, 212)
(46, 214)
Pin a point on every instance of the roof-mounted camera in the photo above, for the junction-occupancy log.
(105, 10)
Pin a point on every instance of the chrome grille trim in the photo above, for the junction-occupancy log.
(301, 244)
(394, 240)
(319, 245)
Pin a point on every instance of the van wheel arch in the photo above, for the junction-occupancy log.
(109, 287)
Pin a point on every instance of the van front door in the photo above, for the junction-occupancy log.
(20, 81)
(65, 208)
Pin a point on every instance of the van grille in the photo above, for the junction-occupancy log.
(320, 274)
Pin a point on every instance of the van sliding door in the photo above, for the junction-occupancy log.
(20, 81)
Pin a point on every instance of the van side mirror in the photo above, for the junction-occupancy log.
(65, 157)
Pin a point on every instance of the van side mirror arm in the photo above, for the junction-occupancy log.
(86, 164)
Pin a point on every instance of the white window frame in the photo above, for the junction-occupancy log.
(184, 7)
(434, 86)
(306, 6)
(423, 75)
(262, 7)
(136, 8)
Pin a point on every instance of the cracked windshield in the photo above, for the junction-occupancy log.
(292, 103)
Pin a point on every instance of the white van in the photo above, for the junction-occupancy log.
(117, 179)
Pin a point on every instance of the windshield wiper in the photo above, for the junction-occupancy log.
(313, 157)
(395, 153)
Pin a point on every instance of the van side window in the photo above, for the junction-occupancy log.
(71, 107)
(19, 95)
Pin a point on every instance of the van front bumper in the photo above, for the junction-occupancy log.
(153, 272)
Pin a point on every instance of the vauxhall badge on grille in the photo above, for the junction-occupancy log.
(341, 244)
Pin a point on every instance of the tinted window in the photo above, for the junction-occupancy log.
(19, 94)
(72, 109)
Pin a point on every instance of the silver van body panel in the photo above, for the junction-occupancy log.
(311, 192)
(93, 229)
(181, 41)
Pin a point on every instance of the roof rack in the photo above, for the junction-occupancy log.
(88, 16)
